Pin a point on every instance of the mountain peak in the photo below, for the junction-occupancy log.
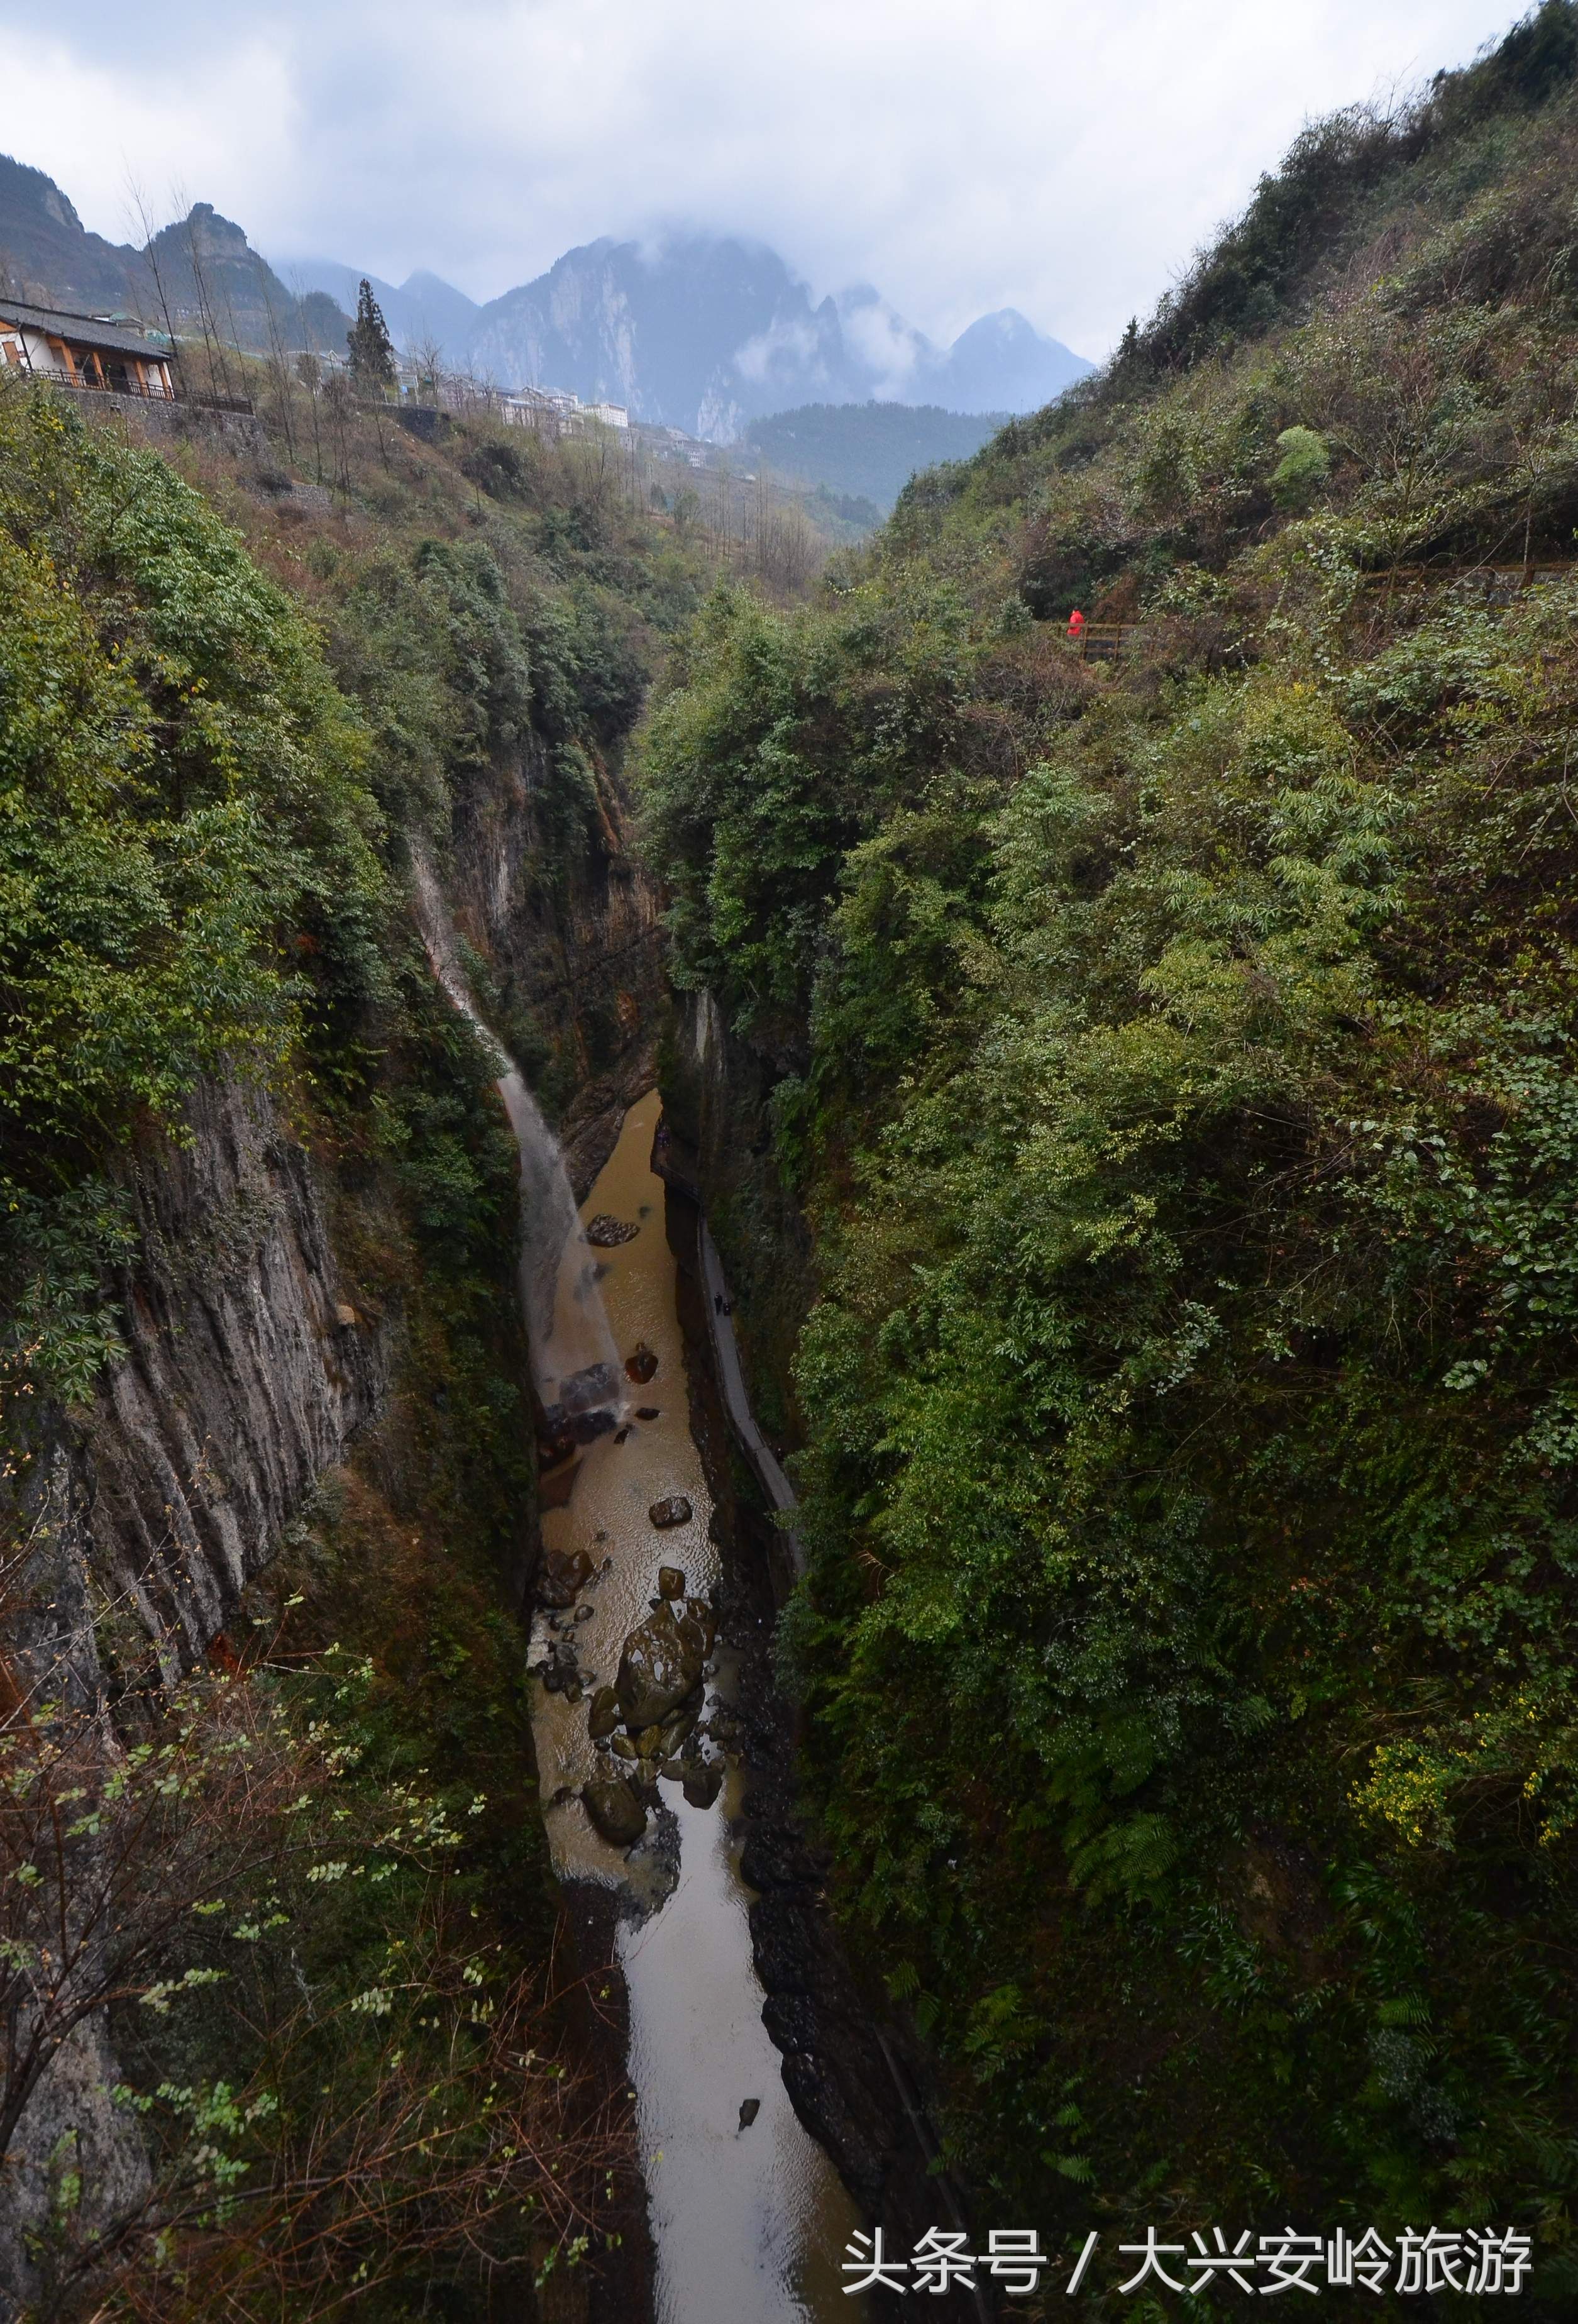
(708, 332)
(1005, 324)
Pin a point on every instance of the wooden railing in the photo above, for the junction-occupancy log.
(1104, 641)
(127, 386)
(1498, 584)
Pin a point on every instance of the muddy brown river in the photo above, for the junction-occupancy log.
(748, 2218)
(749, 2226)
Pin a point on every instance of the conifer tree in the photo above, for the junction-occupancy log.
(372, 349)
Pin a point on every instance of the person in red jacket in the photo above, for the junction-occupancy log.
(1075, 626)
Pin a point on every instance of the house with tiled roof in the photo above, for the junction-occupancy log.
(83, 351)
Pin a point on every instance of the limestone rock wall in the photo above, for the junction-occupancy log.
(139, 1521)
(577, 959)
(717, 1103)
(248, 1371)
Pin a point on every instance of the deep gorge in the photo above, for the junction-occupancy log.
(1131, 1095)
(305, 1431)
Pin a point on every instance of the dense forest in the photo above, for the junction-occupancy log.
(1172, 1057)
(1151, 1205)
(296, 1865)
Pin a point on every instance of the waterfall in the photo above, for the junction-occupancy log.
(575, 1363)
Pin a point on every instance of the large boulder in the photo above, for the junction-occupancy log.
(702, 1784)
(614, 1809)
(582, 1427)
(662, 1660)
(584, 1408)
(562, 1576)
(592, 1384)
(605, 1232)
(605, 1714)
(673, 1509)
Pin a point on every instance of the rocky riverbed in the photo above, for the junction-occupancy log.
(642, 1739)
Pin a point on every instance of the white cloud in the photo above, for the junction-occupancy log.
(1064, 160)
(100, 131)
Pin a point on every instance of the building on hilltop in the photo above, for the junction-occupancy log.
(556, 412)
(87, 351)
(551, 411)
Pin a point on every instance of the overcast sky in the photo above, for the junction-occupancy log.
(961, 154)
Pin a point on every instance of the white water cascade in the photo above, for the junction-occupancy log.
(575, 1365)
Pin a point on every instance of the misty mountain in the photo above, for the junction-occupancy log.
(1002, 364)
(703, 332)
(707, 333)
(423, 307)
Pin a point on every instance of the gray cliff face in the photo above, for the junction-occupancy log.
(580, 962)
(246, 1374)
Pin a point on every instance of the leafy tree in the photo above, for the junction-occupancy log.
(1303, 469)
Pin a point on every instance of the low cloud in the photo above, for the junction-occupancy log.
(1062, 159)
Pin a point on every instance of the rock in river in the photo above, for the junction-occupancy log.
(672, 1510)
(584, 1408)
(554, 1491)
(702, 1784)
(564, 1574)
(641, 1366)
(670, 1581)
(663, 1661)
(614, 1809)
(605, 1232)
(605, 1714)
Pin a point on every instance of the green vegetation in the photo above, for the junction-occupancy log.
(181, 779)
(372, 350)
(325, 1912)
(1175, 1062)
(867, 452)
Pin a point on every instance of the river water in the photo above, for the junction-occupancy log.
(749, 2226)
(748, 2223)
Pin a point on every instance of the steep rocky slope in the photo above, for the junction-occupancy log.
(198, 275)
(1154, 1078)
(264, 1384)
